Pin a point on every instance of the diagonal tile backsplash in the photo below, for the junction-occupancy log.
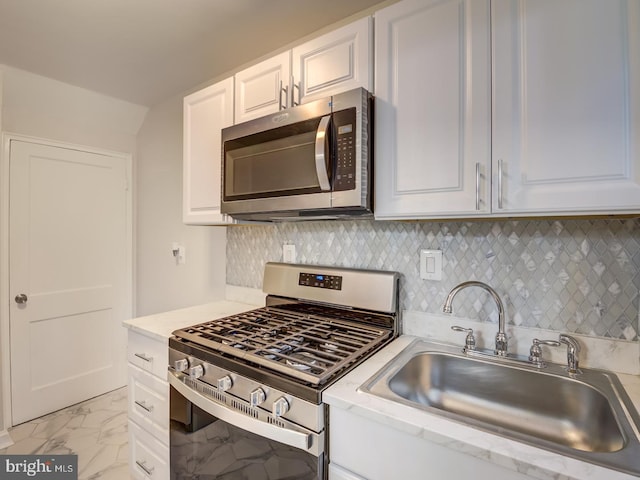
(577, 276)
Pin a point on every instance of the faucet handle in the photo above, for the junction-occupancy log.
(535, 353)
(573, 349)
(470, 340)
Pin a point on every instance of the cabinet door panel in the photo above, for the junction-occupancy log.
(262, 88)
(565, 77)
(397, 454)
(206, 113)
(432, 109)
(333, 63)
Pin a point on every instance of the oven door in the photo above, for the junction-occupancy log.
(210, 440)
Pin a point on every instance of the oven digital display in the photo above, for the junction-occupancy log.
(332, 282)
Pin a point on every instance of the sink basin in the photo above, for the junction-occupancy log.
(587, 416)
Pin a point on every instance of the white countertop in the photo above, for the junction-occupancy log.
(510, 454)
(160, 325)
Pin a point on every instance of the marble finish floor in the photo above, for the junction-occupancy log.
(95, 430)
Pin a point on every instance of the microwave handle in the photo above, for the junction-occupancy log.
(321, 153)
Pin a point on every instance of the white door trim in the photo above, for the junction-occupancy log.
(5, 352)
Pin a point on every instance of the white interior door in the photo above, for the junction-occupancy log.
(69, 278)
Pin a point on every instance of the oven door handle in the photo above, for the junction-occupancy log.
(321, 153)
(289, 437)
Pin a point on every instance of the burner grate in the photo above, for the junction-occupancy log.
(307, 346)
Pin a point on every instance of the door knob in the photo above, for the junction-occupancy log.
(21, 298)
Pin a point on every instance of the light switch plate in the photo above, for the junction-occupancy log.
(179, 253)
(289, 253)
(431, 264)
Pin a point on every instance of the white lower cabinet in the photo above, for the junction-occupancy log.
(362, 449)
(149, 402)
(148, 407)
(148, 457)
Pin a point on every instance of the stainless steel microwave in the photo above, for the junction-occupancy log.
(313, 161)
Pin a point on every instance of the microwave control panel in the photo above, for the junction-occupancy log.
(345, 133)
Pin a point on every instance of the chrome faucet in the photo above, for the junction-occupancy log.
(573, 349)
(501, 336)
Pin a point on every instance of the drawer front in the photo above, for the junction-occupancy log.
(148, 458)
(148, 354)
(149, 403)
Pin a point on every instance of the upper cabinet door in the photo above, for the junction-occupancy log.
(432, 128)
(566, 106)
(263, 88)
(334, 63)
(206, 113)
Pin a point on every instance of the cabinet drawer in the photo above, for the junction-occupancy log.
(149, 459)
(148, 354)
(149, 403)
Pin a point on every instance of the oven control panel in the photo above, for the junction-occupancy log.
(316, 280)
(247, 395)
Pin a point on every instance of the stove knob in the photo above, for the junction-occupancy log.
(181, 365)
(196, 372)
(257, 397)
(225, 383)
(280, 407)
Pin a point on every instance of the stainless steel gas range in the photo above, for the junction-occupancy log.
(246, 390)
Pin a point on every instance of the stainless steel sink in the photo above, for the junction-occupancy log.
(586, 416)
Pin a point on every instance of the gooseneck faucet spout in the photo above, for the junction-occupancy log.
(501, 336)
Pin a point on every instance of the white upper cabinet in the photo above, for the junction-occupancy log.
(335, 62)
(206, 113)
(538, 114)
(263, 88)
(566, 106)
(332, 63)
(433, 121)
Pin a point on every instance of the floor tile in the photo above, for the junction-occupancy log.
(95, 430)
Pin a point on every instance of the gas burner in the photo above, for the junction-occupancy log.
(296, 359)
(276, 351)
(329, 347)
(271, 353)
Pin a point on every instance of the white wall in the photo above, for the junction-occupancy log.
(161, 284)
(41, 107)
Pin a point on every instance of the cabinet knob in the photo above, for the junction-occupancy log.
(21, 299)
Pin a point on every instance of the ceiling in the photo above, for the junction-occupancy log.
(144, 51)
